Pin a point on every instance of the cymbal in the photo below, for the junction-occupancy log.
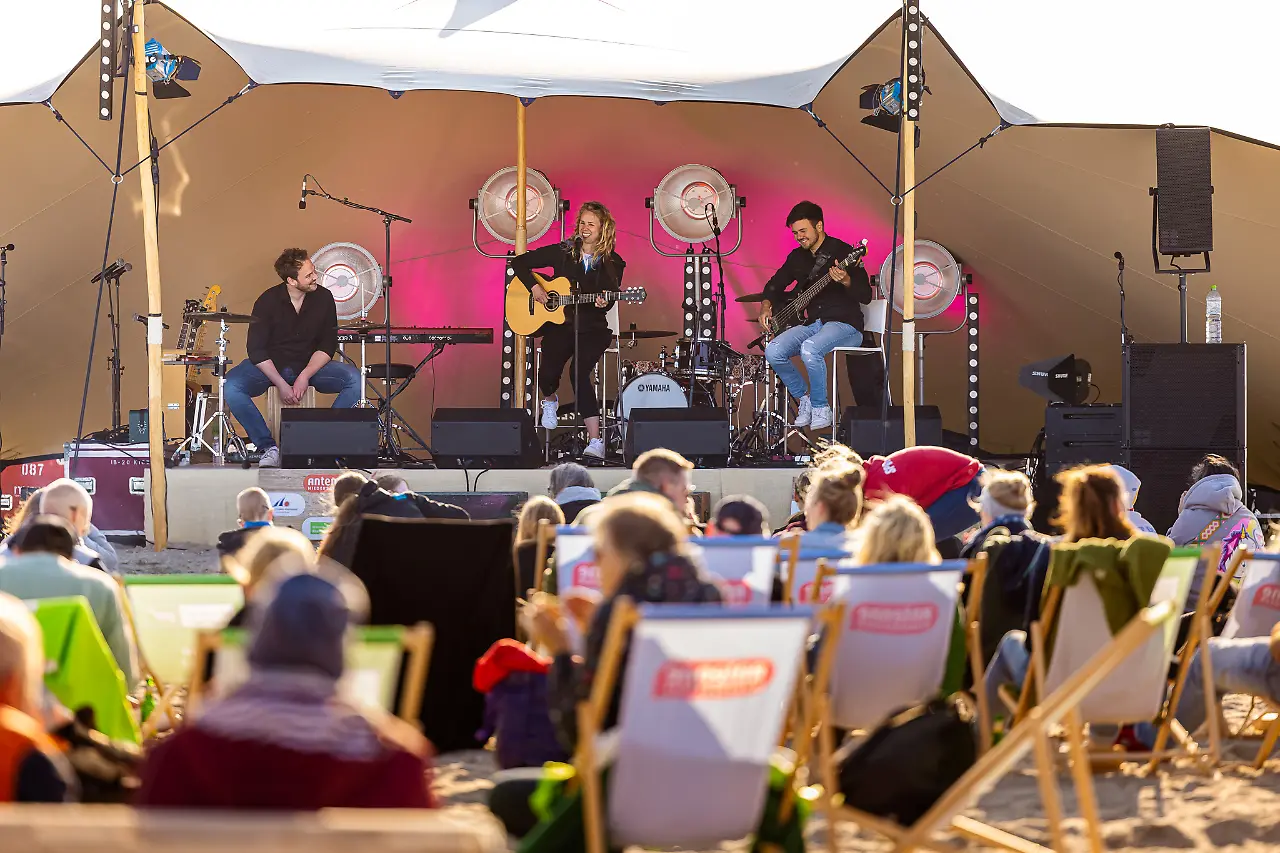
(359, 325)
(645, 334)
(221, 316)
(752, 297)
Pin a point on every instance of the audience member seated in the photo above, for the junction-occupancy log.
(663, 472)
(525, 547)
(250, 564)
(641, 552)
(1017, 556)
(69, 501)
(32, 766)
(393, 483)
(941, 481)
(253, 508)
(897, 531)
(43, 568)
(573, 489)
(799, 490)
(355, 496)
(288, 739)
(1212, 511)
(1131, 485)
(739, 515)
(1092, 506)
(833, 504)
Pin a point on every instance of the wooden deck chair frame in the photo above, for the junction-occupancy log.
(416, 640)
(1185, 745)
(591, 715)
(1060, 707)
(545, 536)
(790, 553)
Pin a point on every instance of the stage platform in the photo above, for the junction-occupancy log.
(202, 498)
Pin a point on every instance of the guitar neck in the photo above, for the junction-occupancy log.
(585, 298)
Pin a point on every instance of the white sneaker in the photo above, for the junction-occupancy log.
(270, 458)
(550, 414)
(821, 418)
(804, 412)
(595, 447)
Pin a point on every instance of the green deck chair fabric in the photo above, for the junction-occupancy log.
(170, 610)
(79, 667)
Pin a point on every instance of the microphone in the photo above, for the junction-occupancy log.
(8, 248)
(574, 244)
(302, 200)
(710, 210)
(1119, 257)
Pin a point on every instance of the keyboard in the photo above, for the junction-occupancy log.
(419, 335)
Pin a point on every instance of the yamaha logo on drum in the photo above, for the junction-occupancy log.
(654, 387)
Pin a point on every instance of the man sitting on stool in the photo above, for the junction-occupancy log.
(290, 345)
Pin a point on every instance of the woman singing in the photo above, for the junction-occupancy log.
(592, 265)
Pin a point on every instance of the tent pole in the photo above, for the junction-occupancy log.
(155, 408)
(907, 139)
(520, 356)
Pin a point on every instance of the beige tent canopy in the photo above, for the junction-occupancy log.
(1035, 215)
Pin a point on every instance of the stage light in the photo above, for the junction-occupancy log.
(692, 201)
(350, 272)
(164, 68)
(495, 205)
(936, 279)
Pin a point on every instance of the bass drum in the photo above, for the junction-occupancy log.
(651, 391)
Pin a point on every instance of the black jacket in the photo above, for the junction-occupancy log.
(835, 301)
(603, 276)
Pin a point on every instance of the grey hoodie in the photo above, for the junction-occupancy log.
(1208, 511)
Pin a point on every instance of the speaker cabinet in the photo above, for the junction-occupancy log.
(1081, 435)
(1185, 200)
(700, 435)
(328, 438)
(862, 429)
(462, 438)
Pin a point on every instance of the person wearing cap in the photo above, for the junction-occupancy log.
(1131, 484)
(739, 515)
(288, 739)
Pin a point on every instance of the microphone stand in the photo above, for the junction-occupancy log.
(388, 436)
(111, 277)
(4, 260)
(720, 299)
(1124, 330)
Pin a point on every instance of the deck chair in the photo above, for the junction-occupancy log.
(458, 577)
(386, 666)
(1058, 707)
(79, 667)
(575, 562)
(1137, 688)
(799, 582)
(704, 701)
(1257, 607)
(745, 565)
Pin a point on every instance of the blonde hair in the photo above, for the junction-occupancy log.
(21, 653)
(253, 504)
(655, 465)
(1092, 505)
(836, 453)
(262, 549)
(639, 525)
(837, 485)
(897, 531)
(535, 509)
(30, 509)
(1006, 492)
(608, 229)
(393, 483)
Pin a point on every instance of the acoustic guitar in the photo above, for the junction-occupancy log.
(527, 317)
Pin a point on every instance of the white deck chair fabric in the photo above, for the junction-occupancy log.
(576, 572)
(807, 573)
(892, 650)
(372, 673)
(170, 610)
(744, 565)
(1136, 689)
(1257, 607)
(704, 698)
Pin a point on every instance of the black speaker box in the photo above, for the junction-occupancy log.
(1185, 200)
(700, 435)
(862, 429)
(328, 438)
(1081, 435)
(468, 438)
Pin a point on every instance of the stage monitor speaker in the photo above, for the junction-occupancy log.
(478, 438)
(862, 429)
(700, 435)
(328, 438)
(1082, 435)
(1185, 183)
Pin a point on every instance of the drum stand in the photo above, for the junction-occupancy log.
(226, 435)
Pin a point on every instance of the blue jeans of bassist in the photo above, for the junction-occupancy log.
(811, 342)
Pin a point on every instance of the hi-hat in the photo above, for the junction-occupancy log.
(645, 334)
(221, 317)
(359, 325)
(752, 297)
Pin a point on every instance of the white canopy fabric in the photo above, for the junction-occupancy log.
(1137, 62)
(44, 42)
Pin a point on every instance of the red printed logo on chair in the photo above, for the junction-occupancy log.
(737, 593)
(712, 679)
(1268, 596)
(318, 483)
(824, 594)
(894, 618)
(586, 575)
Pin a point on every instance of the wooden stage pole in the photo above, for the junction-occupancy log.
(522, 240)
(907, 138)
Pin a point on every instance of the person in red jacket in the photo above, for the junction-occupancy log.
(288, 739)
(943, 482)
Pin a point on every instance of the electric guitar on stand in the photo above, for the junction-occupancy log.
(183, 366)
(527, 317)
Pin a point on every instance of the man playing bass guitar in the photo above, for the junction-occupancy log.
(833, 318)
(594, 267)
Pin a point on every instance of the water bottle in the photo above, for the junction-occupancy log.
(1213, 316)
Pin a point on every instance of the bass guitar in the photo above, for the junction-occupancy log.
(793, 312)
(526, 316)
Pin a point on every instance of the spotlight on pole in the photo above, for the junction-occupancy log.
(165, 68)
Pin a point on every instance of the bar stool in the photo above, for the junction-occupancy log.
(874, 316)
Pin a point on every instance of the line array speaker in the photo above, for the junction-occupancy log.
(1185, 200)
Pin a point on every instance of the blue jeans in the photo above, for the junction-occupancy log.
(951, 513)
(811, 343)
(1009, 665)
(245, 381)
